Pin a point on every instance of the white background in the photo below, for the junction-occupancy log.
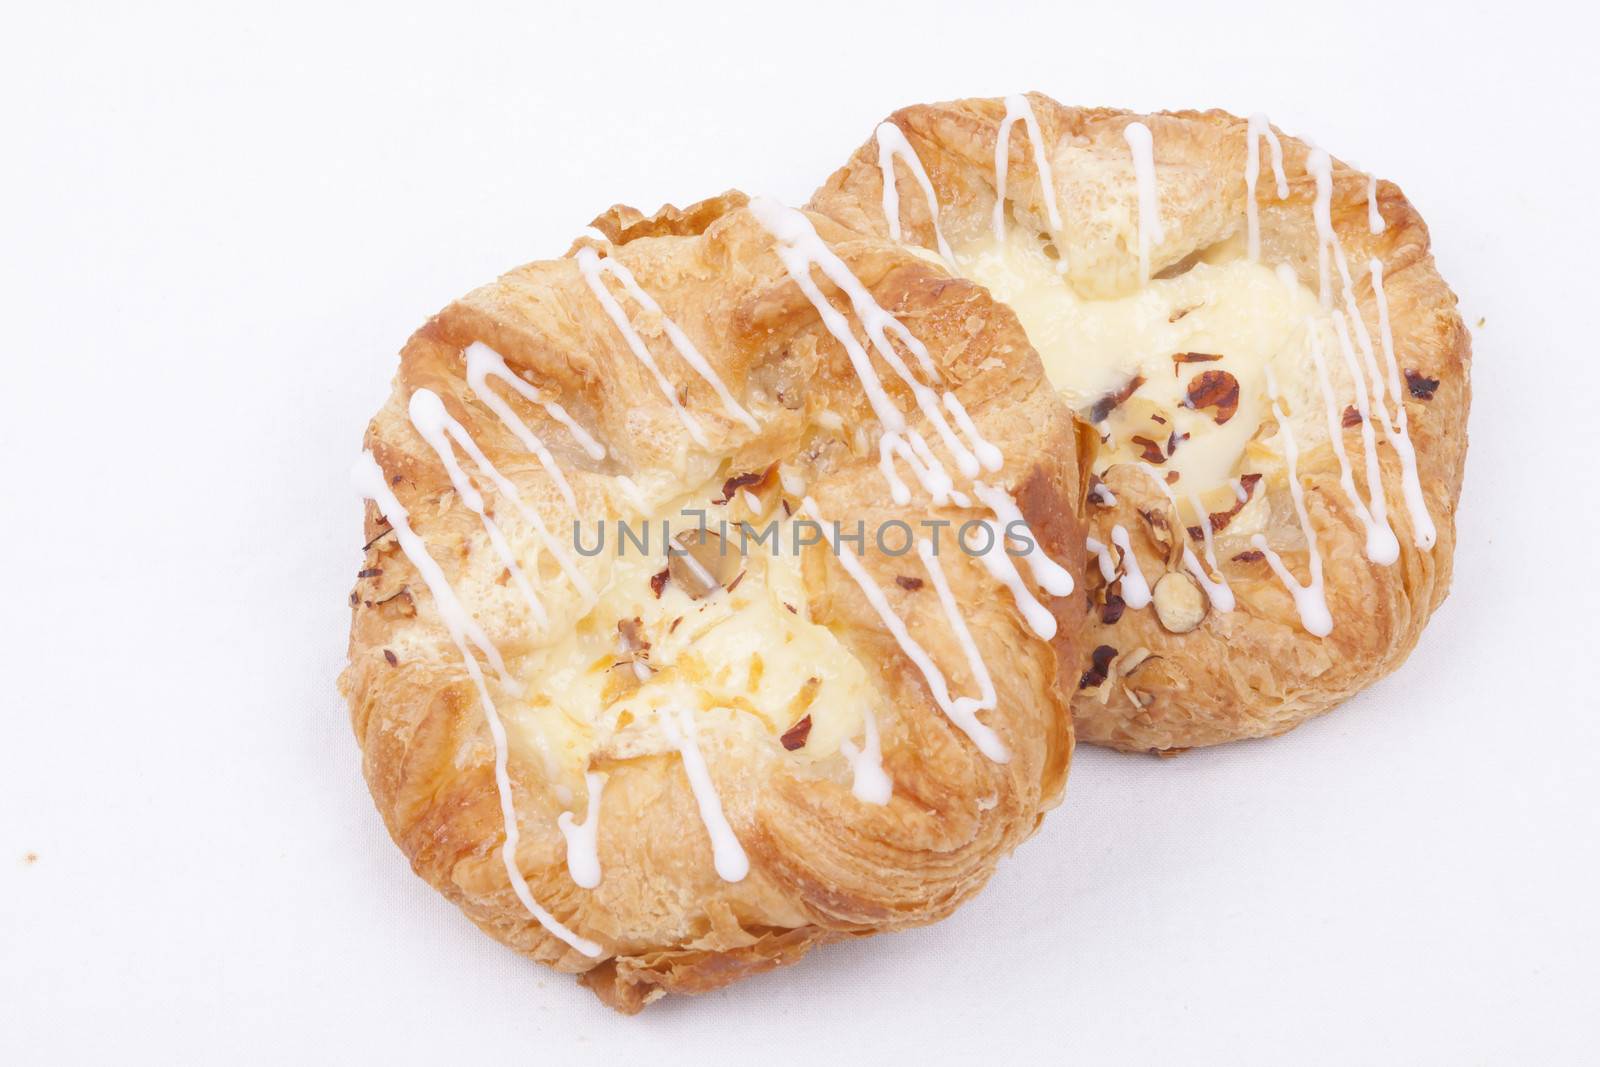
(217, 230)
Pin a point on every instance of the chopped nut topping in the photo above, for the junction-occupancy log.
(1099, 669)
(369, 572)
(1152, 452)
(1134, 660)
(908, 583)
(1220, 519)
(1351, 417)
(1250, 555)
(1181, 312)
(1111, 401)
(1214, 389)
(1421, 387)
(631, 634)
(658, 581)
(701, 564)
(1112, 609)
(1180, 358)
(795, 736)
(394, 661)
(1180, 606)
(736, 483)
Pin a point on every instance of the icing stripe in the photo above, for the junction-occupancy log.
(1310, 600)
(369, 480)
(1018, 107)
(436, 427)
(1257, 129)
(436, 422)
(592, 266)
(1142, 147)
(1423, 532)
(1397, 433)
(1381, 544)
(484, 362)
(961, 711)
(727, 854)
(892, 143)
(1135, 590)
(583, 855)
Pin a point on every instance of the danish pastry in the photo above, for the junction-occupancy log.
(659, 666)
(1277, 372)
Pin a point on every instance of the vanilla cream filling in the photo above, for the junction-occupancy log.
(1224, 305)
(741, 661)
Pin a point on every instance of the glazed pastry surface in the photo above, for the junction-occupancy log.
(1277, 372)
(666, 772)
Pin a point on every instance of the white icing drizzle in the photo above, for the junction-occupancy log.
(892, 143)
(484, 362)
(1381, 544)
(1206, 532)
(436, 427)
(1423, 531)
(869, 783)
(997, 561)
(583, 838)
(1374, 216)
(631, 491)
(1310, 600)
(1216, 589)
(1103, 494)
(727, 854)
(947, 601)
(1018, 107)
(1142, 146)
(1108, 566)
(799, 248)
(1051, 576)
(792, 481)
(369, 480)
(1239, 492)
(1135, 590)
(436, 423)
(591, 266)
(933, 477)
(1319, 166)
(1257, 129)
(989, 456)
(962, 711)
(1397, 432)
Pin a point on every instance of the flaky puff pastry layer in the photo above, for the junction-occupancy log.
(1255, 671)
(823, 864)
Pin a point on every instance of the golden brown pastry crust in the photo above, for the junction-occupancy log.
(1255, 671)
(824, 866)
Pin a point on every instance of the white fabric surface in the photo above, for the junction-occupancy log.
(219, 228)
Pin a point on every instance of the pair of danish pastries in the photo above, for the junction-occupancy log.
(734, 582)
